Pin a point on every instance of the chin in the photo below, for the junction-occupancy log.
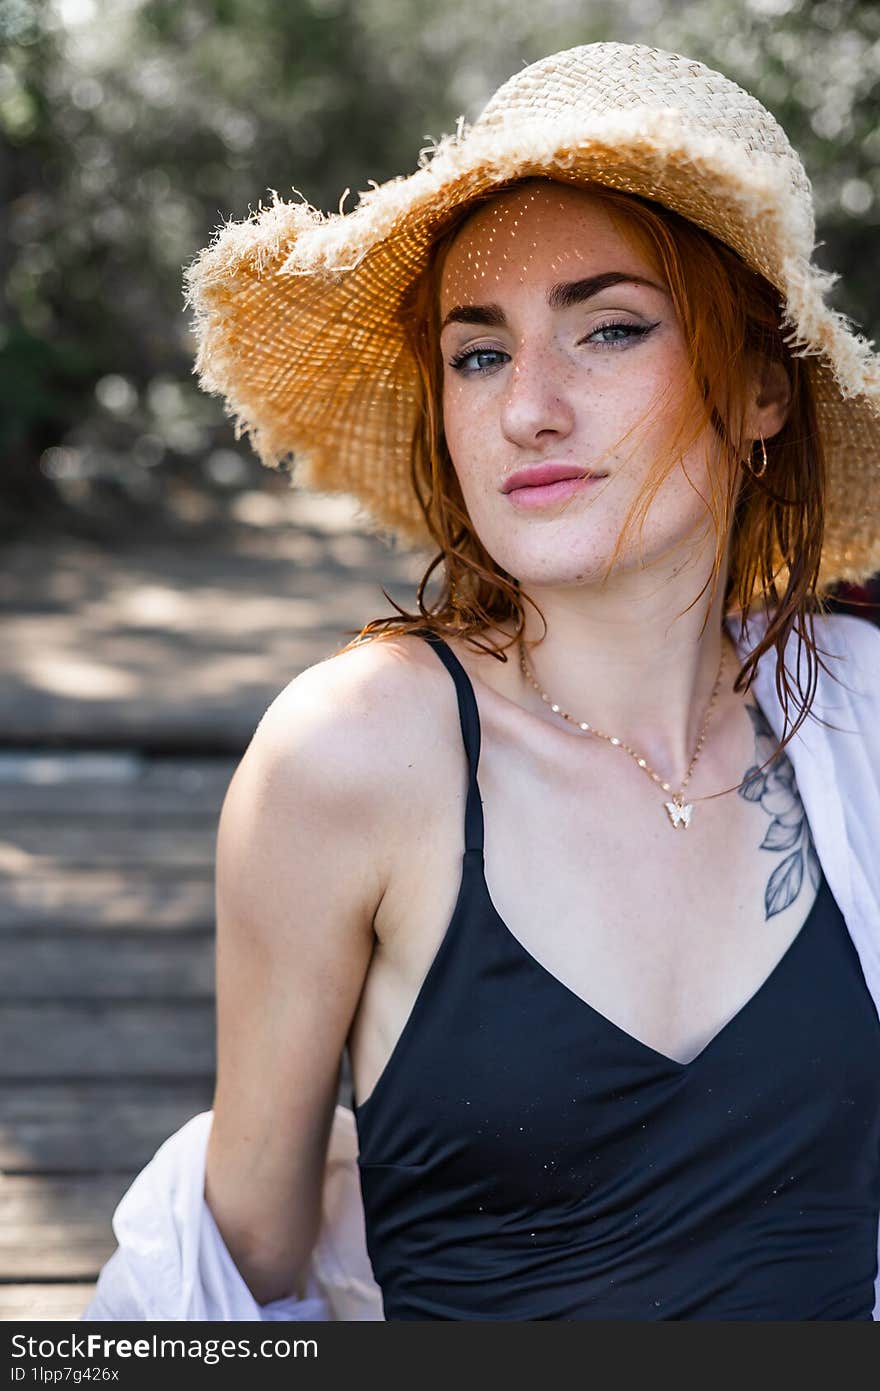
(546, 569)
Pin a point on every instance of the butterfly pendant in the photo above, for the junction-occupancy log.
(679, 812)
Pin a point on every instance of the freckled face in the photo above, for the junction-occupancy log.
(531, 383)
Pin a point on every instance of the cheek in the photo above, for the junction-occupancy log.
(655, 381)
(467, 426)
(458, 401)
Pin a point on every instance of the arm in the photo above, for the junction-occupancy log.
(300, 871)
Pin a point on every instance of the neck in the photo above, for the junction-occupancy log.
(632, 666)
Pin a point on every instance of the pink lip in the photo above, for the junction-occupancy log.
(552, 492)
(540, 474)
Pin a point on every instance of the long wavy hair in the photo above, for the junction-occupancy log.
(730, 317)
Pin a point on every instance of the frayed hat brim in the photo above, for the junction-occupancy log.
(296, 312)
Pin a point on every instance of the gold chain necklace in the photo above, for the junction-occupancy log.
(679, 810)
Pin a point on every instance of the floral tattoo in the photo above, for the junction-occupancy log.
(789, 830)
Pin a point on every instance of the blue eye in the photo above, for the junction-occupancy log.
(629, 332)
(636, 329)
(461, 358)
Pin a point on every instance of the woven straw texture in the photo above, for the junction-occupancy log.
(295, 311)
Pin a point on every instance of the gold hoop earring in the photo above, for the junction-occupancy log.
(758, 473)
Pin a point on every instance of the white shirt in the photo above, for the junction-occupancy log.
(171, 1262)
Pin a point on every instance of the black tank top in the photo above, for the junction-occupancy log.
(522, 1157)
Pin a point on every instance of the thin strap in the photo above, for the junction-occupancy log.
(470, 729)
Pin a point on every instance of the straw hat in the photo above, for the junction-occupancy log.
(295, 310)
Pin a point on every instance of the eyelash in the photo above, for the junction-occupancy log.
(638, 330)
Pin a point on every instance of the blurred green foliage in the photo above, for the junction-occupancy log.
(130, 129)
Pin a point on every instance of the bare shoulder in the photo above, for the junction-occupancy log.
(360, 708)
(355, 733)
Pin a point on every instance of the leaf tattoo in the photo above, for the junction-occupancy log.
(789, 830)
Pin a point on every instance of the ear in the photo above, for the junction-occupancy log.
(771, 400)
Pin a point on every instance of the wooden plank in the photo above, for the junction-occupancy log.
(102, 804)
(57, 1228)
(36, 849)
(63, 1303)
(107, 900)
(79, 965)
(93, 1126)
(58, 784)
(221, 725)
(97, 1126)
(106, 1039)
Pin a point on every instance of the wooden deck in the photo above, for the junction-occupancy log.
(134, 677)
(107, 1020)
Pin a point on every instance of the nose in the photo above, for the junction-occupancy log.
(536, 405)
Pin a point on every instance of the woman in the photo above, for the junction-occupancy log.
(600, 1072)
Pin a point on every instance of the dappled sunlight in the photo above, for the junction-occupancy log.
(110, 898)
(151, 605)
(191, 641)
(66, 674)
(15, 860)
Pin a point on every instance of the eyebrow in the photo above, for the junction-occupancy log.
(561, 296)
